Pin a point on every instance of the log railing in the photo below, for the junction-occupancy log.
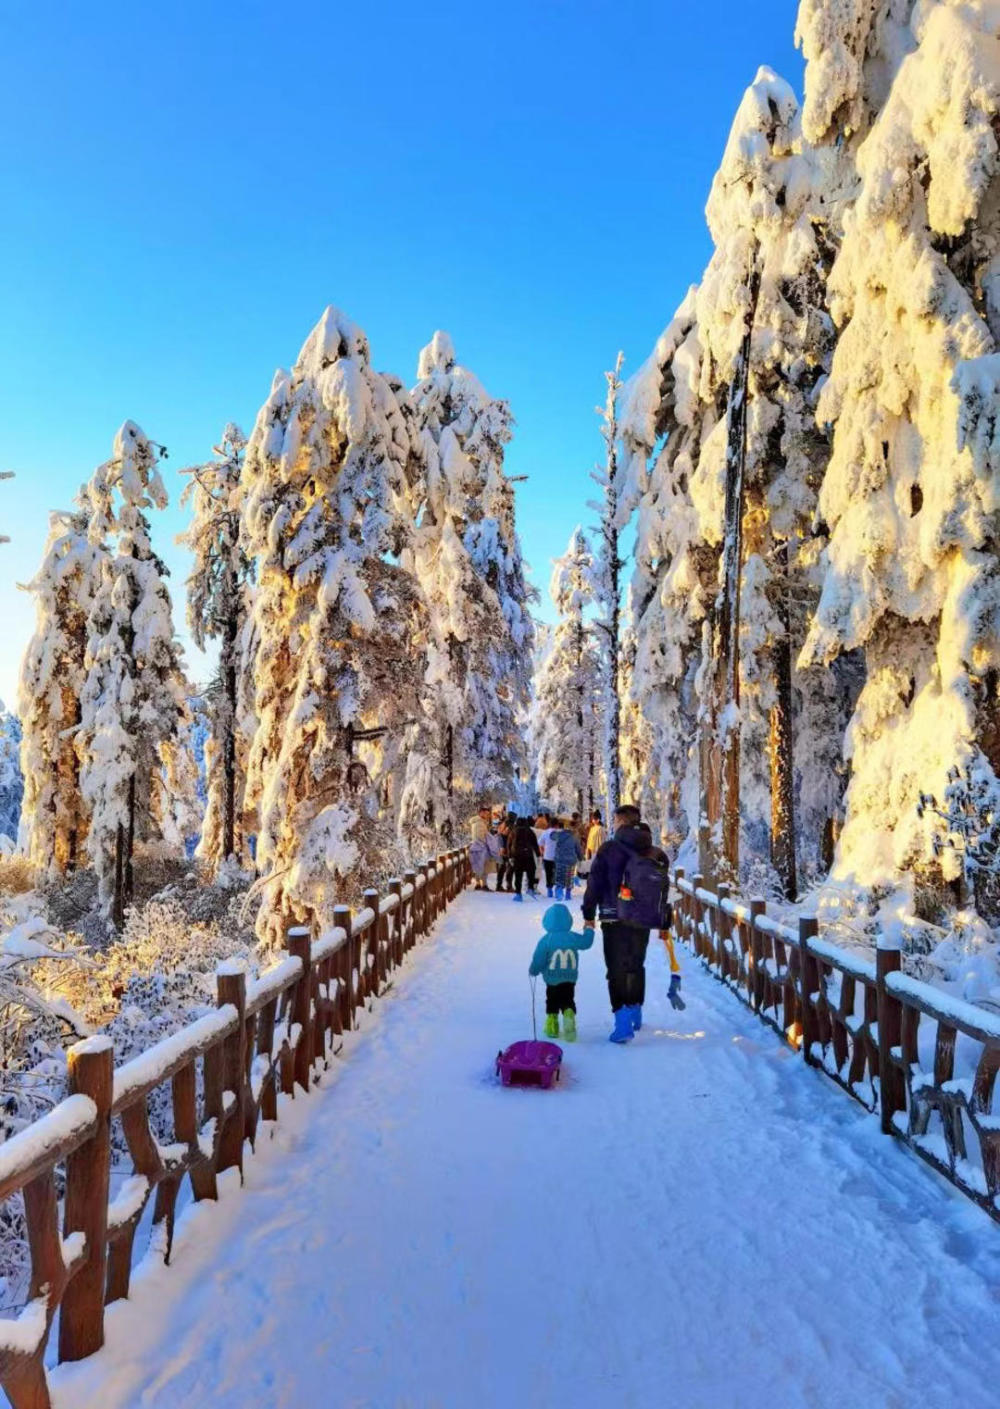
(225, 1072)
(925, 1062)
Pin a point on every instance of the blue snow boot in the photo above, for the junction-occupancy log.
(635, 1016)
(623, 1026)
(548, 891)
(559, 893)
(519, 897)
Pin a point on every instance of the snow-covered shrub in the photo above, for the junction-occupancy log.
(965, 831)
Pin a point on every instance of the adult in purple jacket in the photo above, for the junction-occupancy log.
(624, 945)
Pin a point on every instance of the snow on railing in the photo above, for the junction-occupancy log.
(925, 1061)
(267, 1036)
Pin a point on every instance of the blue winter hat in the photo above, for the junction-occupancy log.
(556, 919)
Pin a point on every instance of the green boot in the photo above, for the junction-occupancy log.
(551, 1024)
(569, 1025)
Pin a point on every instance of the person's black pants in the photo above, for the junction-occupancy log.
(560, 997)
(505, 870)
(522, 869)
(550, 873)
(625, 960)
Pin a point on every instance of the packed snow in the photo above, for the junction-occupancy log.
(696, 1219)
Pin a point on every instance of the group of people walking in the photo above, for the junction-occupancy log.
(627, 893)
(511, 849)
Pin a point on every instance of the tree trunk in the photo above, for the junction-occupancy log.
(229, 742)
(727, 675)
(782, 741)
(129, 886)
(609, 529)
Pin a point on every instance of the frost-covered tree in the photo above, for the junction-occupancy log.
(335, 619)
(608, 564)
(133, 698)
(910, 495)
(53, 673)
(219, 598)
(11, 780)
(764, 324)
(725, 551)
(663, 423)
(468, 560)
(566, 714)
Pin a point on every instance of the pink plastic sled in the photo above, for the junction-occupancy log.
(530, 1064)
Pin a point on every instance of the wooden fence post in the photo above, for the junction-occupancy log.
(231, 987)
(88, 1176)
(396, 889)
(298, 942)
(424, 897)
(722, 931)
(345, 968)
(696, 936)
(891, 1097)
(374, 971)
(810, 979)
(758, 907)
(410, 879)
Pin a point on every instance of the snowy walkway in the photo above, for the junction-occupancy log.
(695, 1221)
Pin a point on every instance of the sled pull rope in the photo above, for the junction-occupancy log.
(534, 1025)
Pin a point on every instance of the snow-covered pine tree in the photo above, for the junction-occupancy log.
(566, 718)
(608, 564)
(133, 698)
(765, 327)
(725, 543)
(638, 780)
(468, 560)
(11, 779)
(663, 423)
(334, 620)
(218, 593)
(421, 759)
(910, 494)
(53, 672)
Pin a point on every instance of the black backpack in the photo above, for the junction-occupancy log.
(644, 897)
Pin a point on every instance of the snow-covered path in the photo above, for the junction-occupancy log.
(695, 1221)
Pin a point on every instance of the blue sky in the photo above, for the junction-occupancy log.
(186, 186)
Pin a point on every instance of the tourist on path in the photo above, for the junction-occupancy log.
(483, 849)
(566, 853)
(523, 847)
(596, 835)
(628, 881)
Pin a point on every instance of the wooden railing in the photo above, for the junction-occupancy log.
(225, 1072)
(925, 1062)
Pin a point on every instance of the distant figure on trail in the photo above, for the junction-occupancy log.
(523, 848)
(556, 958)
(484, 848)
(596, 835)
(505, 868)
(628, 887)
(566, 852)
(547, 845)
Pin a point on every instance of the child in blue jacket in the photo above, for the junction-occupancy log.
(557, 959)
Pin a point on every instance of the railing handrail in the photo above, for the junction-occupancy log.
(264, 1031)
(861, 1032)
